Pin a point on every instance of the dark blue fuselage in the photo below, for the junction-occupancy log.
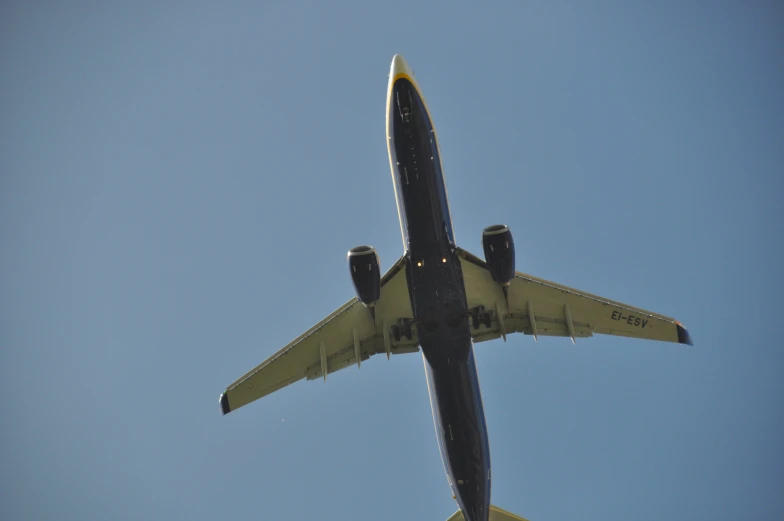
(438, 298)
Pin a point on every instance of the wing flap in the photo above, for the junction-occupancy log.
(545, 326)
(346, 357)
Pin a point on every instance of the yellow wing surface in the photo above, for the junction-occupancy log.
(535, 306)
(532, 306)
(348, 336)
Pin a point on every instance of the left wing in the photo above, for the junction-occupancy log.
(536, 306)
(347, 336)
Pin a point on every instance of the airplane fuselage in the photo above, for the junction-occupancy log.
(437, 292)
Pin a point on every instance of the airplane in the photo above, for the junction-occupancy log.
(440, 299)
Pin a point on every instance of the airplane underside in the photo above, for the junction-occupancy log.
(441, 300)
(438, 299)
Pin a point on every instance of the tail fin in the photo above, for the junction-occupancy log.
(496, 514)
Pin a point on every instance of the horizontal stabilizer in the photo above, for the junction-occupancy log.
(496, 514)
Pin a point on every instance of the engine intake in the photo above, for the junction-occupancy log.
(499, 252)
(365, 273)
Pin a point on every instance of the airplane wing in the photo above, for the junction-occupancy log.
(348, 336)
(540, 307)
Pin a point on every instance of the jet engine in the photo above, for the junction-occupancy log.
(499, 253)
(365, 273)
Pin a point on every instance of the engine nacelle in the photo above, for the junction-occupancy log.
(365, 273)
(499, 252)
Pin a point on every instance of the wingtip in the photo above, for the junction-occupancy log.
(224, 403)
(683, 335)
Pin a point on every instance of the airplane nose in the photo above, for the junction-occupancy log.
(399, 66)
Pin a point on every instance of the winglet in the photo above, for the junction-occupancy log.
(224, 403)
(683, 335)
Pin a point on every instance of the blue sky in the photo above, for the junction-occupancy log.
(179, 187)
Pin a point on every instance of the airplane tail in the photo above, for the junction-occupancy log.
(496, 514)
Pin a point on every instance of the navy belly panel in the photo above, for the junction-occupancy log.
(438, 300)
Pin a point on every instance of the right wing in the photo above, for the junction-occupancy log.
(536, 306)
(347, 336)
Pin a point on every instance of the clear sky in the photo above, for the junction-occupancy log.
(179, 186)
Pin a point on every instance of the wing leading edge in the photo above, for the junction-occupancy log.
(539, 307)
(348, 336)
